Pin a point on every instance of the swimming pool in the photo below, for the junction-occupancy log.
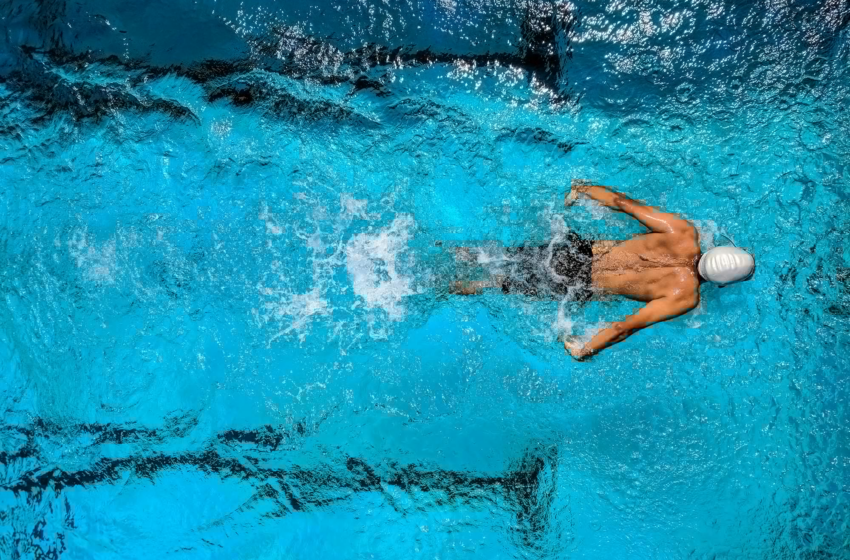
(225, 332)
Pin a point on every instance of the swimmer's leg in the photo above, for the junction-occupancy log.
(469, 256)
(474, 287)
(465, 287)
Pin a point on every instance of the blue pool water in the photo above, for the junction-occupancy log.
(224, 329)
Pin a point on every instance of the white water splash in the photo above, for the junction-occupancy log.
(563, 325)
(297, 293)
(372, 262)
(300, 309)
(98, 263)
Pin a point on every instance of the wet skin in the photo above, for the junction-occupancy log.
(659, 268)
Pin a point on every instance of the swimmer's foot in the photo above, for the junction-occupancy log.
(464, 288)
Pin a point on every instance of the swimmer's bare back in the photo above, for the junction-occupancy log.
(658, 268)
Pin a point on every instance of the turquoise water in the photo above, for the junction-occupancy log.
(225, 331)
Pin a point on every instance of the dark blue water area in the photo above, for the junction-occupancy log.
(228, 230)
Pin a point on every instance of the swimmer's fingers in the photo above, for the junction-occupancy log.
(571, 197)
(571, 344)
(577, 186)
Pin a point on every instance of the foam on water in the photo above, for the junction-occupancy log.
(97, 262)
(376, 260)
(374, 263)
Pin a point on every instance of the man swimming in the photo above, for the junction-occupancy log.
(663, 268)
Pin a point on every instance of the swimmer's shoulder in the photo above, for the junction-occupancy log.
(687, 291)
(685, 297)
(686, 242)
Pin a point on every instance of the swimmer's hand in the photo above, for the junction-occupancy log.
(571, 197)
(575, 348)
(577, 186)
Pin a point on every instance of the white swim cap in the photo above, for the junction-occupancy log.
(725, 265)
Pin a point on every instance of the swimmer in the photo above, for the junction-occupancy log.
(664, 268)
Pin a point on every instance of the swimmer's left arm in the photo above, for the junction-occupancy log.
(655, 311)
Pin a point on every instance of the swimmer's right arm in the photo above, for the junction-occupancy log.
(654, 219)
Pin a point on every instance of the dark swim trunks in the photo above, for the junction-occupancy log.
(557, 270)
